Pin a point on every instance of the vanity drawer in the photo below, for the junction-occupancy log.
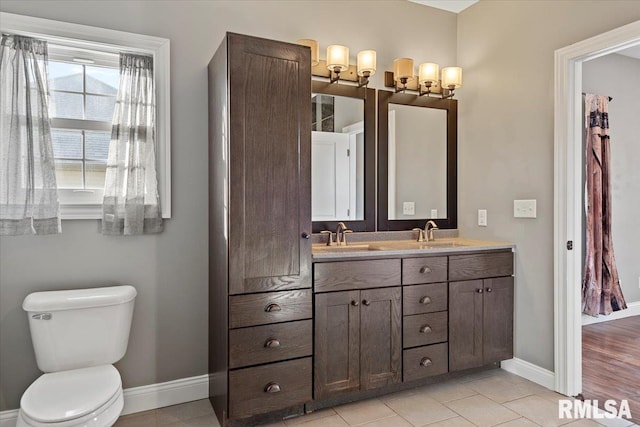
(424, 270)
(425, 361)
(423, 329)
(478, 266)
(271, 307)
(270, 343)
(270, 387)
(424, 298)
(347, 275)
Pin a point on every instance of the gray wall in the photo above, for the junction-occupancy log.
(619, 77)
(506, 137)
(169, 336)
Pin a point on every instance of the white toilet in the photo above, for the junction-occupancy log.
(77, 335)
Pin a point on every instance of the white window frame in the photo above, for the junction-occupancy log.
(110, 41)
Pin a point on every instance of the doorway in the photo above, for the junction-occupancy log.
(568, 183)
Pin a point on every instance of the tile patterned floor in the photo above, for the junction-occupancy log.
(493, 398)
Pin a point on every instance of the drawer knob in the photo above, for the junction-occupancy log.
(425, 269)
(272, 308)
(272, 343)
(272, 388)
(489, 290)
(479, 291)
(366, 302)
(426, 329)
(425, 300)
(355, 303)
(426, 362)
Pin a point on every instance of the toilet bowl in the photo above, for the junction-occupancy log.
(77, 335)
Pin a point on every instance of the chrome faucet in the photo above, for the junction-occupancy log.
(341, 234)
(428, 230)
(420, 234)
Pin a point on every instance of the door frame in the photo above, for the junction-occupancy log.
(568, 184)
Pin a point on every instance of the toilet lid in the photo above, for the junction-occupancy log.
(65, 395)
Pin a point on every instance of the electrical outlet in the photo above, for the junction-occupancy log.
(434, 213)
(524, 208)
(482, 217)
(408, 208)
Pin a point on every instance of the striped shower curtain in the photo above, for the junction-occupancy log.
(601, 293)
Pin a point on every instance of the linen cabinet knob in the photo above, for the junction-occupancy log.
(272, 388)
(355, 303)
(479, 291)
(489, 290)
(366, 302)
(306, 235)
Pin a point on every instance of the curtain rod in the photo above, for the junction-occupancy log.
(610, 98)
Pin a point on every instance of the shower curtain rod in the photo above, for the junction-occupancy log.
(610, 98)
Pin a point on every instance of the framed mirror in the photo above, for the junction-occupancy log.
(417, 161)
(342, 157)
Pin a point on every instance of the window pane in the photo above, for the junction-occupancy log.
(69, 173)
(94, 174)
(97, 145)
(65, 76)
(100, 107)
(66, 105)
(102, 80)
(67, 143)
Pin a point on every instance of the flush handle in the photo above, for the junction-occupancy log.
(272, 308)
(42, 316)
(272, 388)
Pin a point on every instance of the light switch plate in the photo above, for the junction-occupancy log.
(434, 213)
(482, 217)
(408, 208)
(524, 208)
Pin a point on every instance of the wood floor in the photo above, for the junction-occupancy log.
(611, 362)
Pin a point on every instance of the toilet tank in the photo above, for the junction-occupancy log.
(80, 328)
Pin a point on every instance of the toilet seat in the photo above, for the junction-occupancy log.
(78, 397)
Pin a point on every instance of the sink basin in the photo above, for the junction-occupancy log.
(355, 247)
(407, 245)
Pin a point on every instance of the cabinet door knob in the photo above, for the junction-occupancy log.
(426, 329)
(355, 303)
(366, 302)
(425, 300)
(479, 291)
(426, 362)
(272, 343)
(489, 290)
(272, 307)
(306, 235)
(272, 388)
(425, 269)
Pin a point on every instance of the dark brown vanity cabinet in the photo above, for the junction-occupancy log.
(260, 301)
(481, 311)
(358, 332)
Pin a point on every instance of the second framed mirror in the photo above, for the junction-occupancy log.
(417, 161)
(342, 157)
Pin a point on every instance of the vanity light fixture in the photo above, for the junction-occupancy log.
(429, 80)
(336, 67)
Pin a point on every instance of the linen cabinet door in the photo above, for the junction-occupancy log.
(465, 324)
(270, 166)
(337, 343)
(498, 319)
(381, 337)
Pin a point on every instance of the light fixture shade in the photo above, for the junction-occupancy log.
(366, 62)
(428, 72)
(315, 49)
(451, 76)
(337, 56)
(402, 68)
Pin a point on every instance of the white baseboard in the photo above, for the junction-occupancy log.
(633, 309)
(151, 396)
(530, 371)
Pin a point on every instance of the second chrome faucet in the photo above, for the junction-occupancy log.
(341, 235)
(426, 234)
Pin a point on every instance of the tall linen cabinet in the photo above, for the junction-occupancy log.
(260, 300)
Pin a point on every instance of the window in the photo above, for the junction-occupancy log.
(83, 83)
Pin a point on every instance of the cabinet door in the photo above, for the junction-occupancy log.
(337, 343)
(498, 319)
(270, 165)
(465, 324)
(381, 337)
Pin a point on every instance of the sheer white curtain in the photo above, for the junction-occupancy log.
(131, 203)
(28, 191)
